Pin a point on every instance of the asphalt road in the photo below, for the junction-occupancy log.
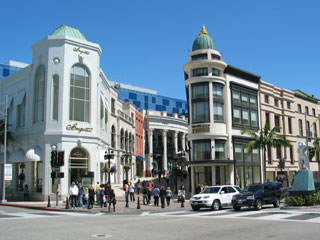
(17, 223)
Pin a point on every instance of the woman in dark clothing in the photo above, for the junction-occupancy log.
(145, 193)
(112, 200)
(162, 196)
(91, 197)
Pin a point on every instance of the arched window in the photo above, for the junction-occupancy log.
(79, 93)
(126, 142)
(122, 139)
(101, 113)
(39, 88)
(55, 97)
(113, 137)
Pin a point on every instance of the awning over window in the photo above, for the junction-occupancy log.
(34, 155)
(2, 157)
(17, 156)
(140, 158)
(20, 98)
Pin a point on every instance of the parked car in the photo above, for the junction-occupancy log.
(214, 197)
(257, 195)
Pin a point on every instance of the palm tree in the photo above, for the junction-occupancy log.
(264, 139)
(316, 146)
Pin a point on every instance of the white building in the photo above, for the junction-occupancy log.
(222, 100)
(62, 98)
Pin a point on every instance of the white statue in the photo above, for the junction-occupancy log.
(303, 156)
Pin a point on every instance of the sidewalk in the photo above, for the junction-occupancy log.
(120, 206)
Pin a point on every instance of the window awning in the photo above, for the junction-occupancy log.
(140, 158)
(2, 157)
(17, 156)
(34, 155)
(20, 98)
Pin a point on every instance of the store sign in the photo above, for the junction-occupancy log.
(75, 127)
(200, 128)
(77, 49)
(8, 172)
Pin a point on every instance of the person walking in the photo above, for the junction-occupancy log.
(131, 190)
(25, 192)
(112, 200)
(101, 196)
(106, 194)
(73, 192)
(156, 194)
(86, 197)
(80, 196)
(168, 196)
(91, 197)
(163, 196)
(183, 195)
(145, 195)
(198, 189)
(149, 193)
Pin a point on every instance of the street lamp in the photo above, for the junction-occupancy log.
(108, 155)
(5, 153)
(126, 167)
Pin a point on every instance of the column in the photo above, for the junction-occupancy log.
(164, 157)
(176, 142)
(183, 142)
(150, 160)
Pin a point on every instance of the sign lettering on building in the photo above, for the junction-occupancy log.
(77, 49)
(8, 172)
(75, 127)
(200, 128)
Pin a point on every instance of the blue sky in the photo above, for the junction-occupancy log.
(146, 43)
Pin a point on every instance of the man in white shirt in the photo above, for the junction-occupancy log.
(73, 192)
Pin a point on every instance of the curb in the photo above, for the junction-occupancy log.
(30, 207)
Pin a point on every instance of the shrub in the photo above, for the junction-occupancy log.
(294, 201)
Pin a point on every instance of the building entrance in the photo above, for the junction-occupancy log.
(78, 164)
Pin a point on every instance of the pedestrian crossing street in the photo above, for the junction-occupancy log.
(274, 215)
(40, 214)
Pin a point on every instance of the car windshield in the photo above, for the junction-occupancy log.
(239, 189)
(253, 188)
(211, 190)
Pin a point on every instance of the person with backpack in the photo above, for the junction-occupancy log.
(156, 195)
(162, 196)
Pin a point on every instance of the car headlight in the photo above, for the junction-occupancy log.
(250, 197)
(205, 197)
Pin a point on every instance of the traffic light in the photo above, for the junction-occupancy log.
(61, 158)
(60, 174)
(54, 158)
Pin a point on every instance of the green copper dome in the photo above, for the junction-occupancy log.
(65, 30)
(203, 41)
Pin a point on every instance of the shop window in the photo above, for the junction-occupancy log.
(55, 97)
(202, 150)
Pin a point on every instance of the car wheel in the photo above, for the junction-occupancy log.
(258, 205)
(277, 203)
(216, 205)
(195, 208)
(236, 208)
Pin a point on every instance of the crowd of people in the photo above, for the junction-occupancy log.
(104, 196)
(80, 197)
(149, 190)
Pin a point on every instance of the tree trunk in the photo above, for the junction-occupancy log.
(264, 166)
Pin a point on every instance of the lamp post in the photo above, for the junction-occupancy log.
(108, 155)
(126, 166)
(5, 152)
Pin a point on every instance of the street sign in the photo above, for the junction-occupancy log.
(8, 172)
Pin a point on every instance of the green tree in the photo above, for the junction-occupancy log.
(263, 139)
(316, 146)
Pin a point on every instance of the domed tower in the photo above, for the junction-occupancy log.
(207, 99)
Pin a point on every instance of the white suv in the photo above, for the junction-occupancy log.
(214, 197)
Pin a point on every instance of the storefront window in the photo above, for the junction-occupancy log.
(202, 150)
(38, 176)
(203, 176)
(220, 150)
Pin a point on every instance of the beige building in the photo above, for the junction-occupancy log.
(285, 108)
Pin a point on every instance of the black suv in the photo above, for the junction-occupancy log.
(256, 195)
